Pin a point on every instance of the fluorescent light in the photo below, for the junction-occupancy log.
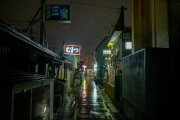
(128, 45)
(95, 67)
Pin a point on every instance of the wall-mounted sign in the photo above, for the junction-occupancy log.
(72, 49)
(106, 51)
(58, 13)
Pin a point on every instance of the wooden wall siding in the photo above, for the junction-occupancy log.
(13, 57)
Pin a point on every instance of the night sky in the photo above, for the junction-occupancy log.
(91, 21)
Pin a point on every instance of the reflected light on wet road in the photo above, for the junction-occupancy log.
(84, 86)
(95, 93)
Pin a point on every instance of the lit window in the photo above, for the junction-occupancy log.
(86, 61)
(128, 45)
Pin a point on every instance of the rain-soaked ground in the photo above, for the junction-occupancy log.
(93, 104)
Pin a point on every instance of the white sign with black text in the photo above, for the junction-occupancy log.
(72, 49)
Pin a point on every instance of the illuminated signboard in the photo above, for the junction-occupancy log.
(72, 49)
(128, 45)
(106, 51)
(59, 13)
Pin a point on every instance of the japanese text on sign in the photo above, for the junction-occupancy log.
(72, 49)
(107, 51)
(57, 12)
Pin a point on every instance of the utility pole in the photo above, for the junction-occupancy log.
(42, 24)
(61, 57)
(122, 15)
(62, 50)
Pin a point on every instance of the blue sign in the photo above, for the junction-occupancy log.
(57, 13)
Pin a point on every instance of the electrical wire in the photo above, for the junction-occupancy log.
(26, 5)
(94, 24)
(18, 21)
(124, 1)
(117, 10)
(92, 5)
(91, 23)
(49, 36)
(110, 14)
(15, 8)
(98, 16)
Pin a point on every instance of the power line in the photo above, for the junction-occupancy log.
(15, 8)
(109, 14)
(26, 5)
(18, 21)
(92, 5)
(124, 1)
(92, 25)
(83, 10)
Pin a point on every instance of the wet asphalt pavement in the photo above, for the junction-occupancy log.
(92, 103)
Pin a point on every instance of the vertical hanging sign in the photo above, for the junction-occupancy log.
(57, 13)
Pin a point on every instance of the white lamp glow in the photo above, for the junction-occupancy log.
(128, 45)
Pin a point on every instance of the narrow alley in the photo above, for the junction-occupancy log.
(89, 59)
